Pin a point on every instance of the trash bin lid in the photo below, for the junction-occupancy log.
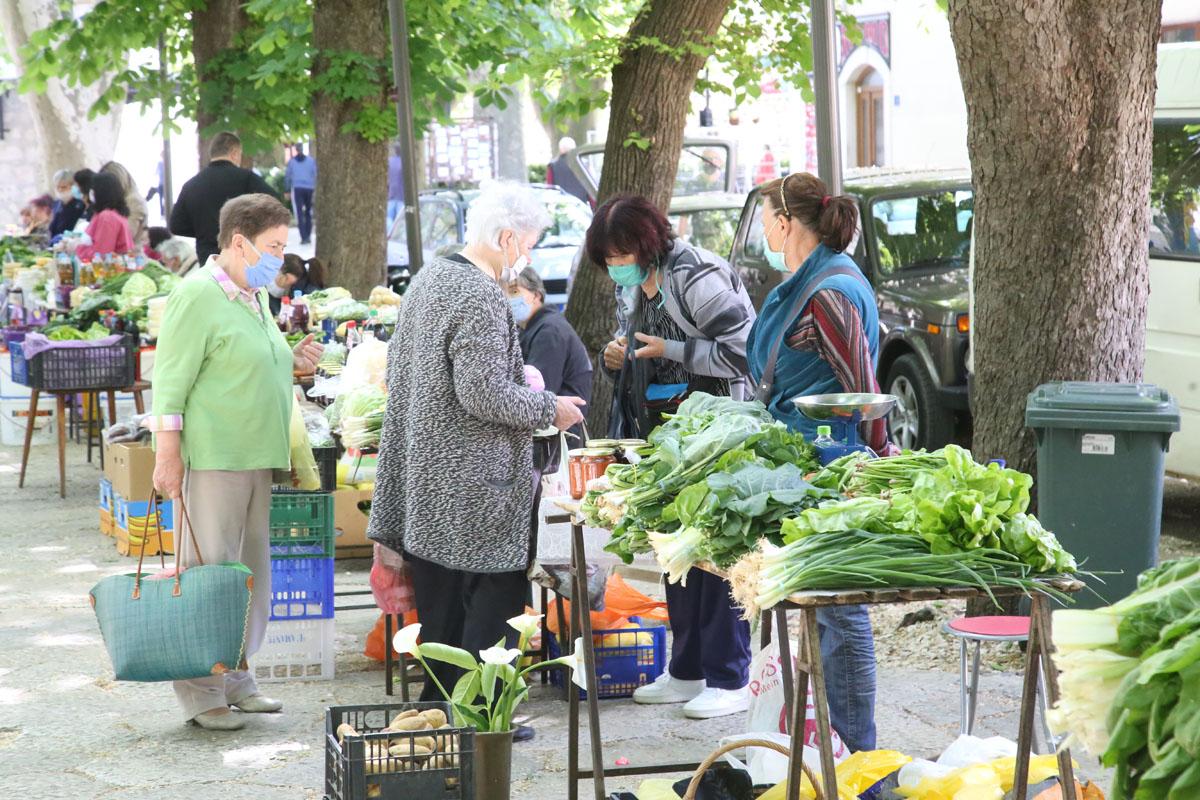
(1084, 395)
(1120, 406)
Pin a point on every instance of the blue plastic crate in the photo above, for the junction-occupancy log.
(301, 588)
(631, 657)
(106, 495)
(20, 368)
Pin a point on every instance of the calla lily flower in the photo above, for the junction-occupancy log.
(405, 640)
(525, 624)
(499, 655)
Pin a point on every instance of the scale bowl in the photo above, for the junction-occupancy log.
(861, 407)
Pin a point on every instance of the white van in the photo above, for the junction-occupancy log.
(1173, 315)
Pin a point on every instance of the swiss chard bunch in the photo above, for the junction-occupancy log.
(723, 517)
(1130, 683)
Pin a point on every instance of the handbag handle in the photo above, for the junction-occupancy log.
(152, 510)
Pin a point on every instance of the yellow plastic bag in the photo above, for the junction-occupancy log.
(859, 772)
(304, 466)
(657, 789)
(987, 781)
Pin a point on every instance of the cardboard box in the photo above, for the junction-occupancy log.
(352, 541)
(128, 545)
(106, 495)
(107, 527)
(130, 467)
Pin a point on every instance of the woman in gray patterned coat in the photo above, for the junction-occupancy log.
(454, 487)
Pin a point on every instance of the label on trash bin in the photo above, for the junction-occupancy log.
(1099, 444)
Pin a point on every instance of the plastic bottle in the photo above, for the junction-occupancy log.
(824, 436)
(285, 315)
(353, 337)
(299, 312)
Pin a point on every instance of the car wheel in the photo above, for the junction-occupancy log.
(919, 420)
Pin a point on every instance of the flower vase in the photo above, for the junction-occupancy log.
(493, 765)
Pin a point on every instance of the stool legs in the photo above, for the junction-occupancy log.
(61, 421)
(29, 423)
(389, 661)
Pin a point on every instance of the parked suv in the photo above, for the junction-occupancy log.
(913, 247)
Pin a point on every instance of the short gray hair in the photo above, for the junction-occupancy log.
(529, 279)
(177, 248)
(505, 205)
(62, 176)
(566, 144)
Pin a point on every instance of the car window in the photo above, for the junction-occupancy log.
(754, 249)
(701, 169)
(570, 219)
(1175, 189)
(932, 229)
(710, 228)
(439, 224)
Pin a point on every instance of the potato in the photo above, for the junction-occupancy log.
(427, 742)
(407, 750)
(435, 717)
(392, 726)
(374, 790)
(344, 730)
(376, 758)
(408, 724)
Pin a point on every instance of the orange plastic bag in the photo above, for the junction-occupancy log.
(375, 644)
(1084, 792)
(621, 601)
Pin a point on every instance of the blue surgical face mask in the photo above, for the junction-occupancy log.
(520, 308)
(263, 271)
(76, 193)
(775, 258)
(627, 275)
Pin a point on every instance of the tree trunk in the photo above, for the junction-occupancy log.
(510, 135)
(1060, 100)
(68, 138)
(350, 203)
(214, 29)
(651, 98)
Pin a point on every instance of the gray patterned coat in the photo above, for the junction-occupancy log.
(454, 483)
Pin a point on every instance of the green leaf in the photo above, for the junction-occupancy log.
(449, 655)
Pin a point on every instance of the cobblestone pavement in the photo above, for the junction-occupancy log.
(67, 730)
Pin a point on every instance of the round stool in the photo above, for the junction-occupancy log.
(980, 630)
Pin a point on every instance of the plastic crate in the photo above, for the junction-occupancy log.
(301, 525)
(452, 777)
(626, 658)
(295, 650)
(301, 588)
(20, 368)
(109, 366)
(327, 460)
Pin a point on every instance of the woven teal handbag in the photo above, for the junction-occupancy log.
(163, 629)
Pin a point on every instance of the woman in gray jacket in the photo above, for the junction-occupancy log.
(454, 487)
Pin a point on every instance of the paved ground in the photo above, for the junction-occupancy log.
(68, 731)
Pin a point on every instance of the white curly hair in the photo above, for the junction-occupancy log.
(501, 206)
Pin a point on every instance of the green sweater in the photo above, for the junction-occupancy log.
(228, 371)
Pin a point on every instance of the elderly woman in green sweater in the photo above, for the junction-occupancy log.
(222, 406)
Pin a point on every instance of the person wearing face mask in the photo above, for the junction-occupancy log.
(82, 191)
(818, 333)
(298, 275)
(683, 317)
(68, 204)
(454, 486)
(222, 406)
(108, 231)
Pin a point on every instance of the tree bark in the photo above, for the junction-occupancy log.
(214, 29)
(68, 138)
(350, 203)
(1060, 101)
(651, 98)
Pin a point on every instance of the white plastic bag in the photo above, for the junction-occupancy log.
(558, 483)
(767, 713)
(767, 767)
(366, 364)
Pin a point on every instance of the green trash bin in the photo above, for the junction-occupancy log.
(1101, 448)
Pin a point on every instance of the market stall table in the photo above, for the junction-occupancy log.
(808, 666)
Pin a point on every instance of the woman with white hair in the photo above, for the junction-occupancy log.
(138, 228)
(178, 255)
(454, 485)
(68, 204)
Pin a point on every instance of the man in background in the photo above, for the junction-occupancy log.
(300, 181)
(197, 211)
(558, 172)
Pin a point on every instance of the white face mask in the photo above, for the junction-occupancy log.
(275, 290)
(510, 272)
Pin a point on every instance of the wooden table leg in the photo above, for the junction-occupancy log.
(1037, 657)
(139, 402)
(786, 663)
(29, 424)
(90, 401)
(811, 656)
(579, 601)
(112, 409)
(389, 661)
(61, 404)
(568, 646)
(544, 650)
(764, 629)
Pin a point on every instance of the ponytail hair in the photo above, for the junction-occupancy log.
(805, 197)
(310, 270)
(316, 272)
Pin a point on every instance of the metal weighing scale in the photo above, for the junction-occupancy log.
(844, 412)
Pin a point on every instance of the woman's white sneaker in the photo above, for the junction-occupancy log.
(666, 689)
(713, 702)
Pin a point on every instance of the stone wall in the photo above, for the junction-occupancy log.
(20, 159)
